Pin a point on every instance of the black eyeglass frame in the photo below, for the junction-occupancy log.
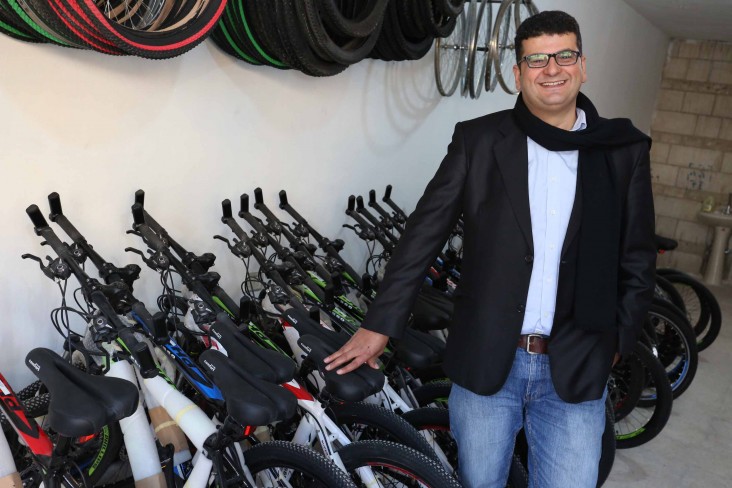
(549, 58)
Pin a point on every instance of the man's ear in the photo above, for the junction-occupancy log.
(517, 76)
(583, 67)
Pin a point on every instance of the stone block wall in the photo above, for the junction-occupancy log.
(691, 157)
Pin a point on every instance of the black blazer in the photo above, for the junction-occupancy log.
(484, 177)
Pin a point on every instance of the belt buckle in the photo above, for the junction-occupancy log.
(528, 342)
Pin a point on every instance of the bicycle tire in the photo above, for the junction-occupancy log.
(389, 459)
(434, 393)
(436, 421)
(350, 51)
(641, 430)
(484, 17)
(677, 350)
(501, 45)
(366, 421)
(706, 331)
(363, 23)
(454, 43)
(316, 468)
(667, 291)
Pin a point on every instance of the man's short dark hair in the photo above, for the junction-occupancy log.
(548, 22)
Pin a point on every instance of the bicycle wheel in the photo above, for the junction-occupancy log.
(395, 465)
(434, 423)
(479, 51)
(364, 421)
(676, 345)
(502, 47)
(665, 290)
(450, 58)
(643, 423)
(702, 308)
(304, 467)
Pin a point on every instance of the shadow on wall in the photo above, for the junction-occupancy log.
(408, 96)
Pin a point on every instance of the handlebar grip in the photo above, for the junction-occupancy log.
(36, 216)
(54, 201)
(372, 198)
(138, 213)
(359, 202)
(226, 209)
(140, 197)
(258, 198)
(283, 198)
(387, 193)
(243, 203)
(351, 203)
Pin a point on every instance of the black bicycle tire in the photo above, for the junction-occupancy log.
(433, 393)
(408, 462)
(264, 29)
(449, 7)
(385, 424)
(436, 421)
(710, 331)
(369, 17)
(281, 454)
(673, 294)
(684, 331)
(43, 10)
(435, 27)
(352, 51)
(663, 404)
(403, 47)
(296, 41)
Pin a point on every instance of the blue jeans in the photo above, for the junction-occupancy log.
(565, 439)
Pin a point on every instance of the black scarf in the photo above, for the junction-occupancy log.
(596, 284)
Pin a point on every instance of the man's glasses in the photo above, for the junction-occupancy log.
(540, 60)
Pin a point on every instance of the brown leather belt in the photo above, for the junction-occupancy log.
(534, 343)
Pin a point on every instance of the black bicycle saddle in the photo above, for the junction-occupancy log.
(81, 404)
(665, 244)
(350, 387)
(249, 400)
(265, 364)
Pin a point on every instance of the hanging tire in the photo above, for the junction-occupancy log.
(701, 306)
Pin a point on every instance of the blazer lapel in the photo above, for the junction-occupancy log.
(513, 161)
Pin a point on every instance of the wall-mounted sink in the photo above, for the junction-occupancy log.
(717, 219)
(722, 226)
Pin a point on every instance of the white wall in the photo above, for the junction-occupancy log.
(203, 127)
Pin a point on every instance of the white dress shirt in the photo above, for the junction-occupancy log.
(552, 184)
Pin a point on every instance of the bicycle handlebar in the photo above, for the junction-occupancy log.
(93, 290)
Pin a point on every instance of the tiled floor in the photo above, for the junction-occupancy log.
(695, 447)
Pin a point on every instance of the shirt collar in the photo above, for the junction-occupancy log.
(581, 121)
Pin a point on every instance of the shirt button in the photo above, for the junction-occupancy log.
(553, 212)
(548, 280)
(529, 258)
(551, 246)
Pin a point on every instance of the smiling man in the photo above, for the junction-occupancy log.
(557, 273)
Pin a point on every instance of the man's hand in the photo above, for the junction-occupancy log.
(616, 359)
(363, 348)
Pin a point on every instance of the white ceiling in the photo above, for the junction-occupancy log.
(689, 19)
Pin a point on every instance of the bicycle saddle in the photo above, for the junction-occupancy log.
(268, 365)
(249, 400)
(81, 404)
(305, 325)
(349, 387)
(665, 244)
(418, 349)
